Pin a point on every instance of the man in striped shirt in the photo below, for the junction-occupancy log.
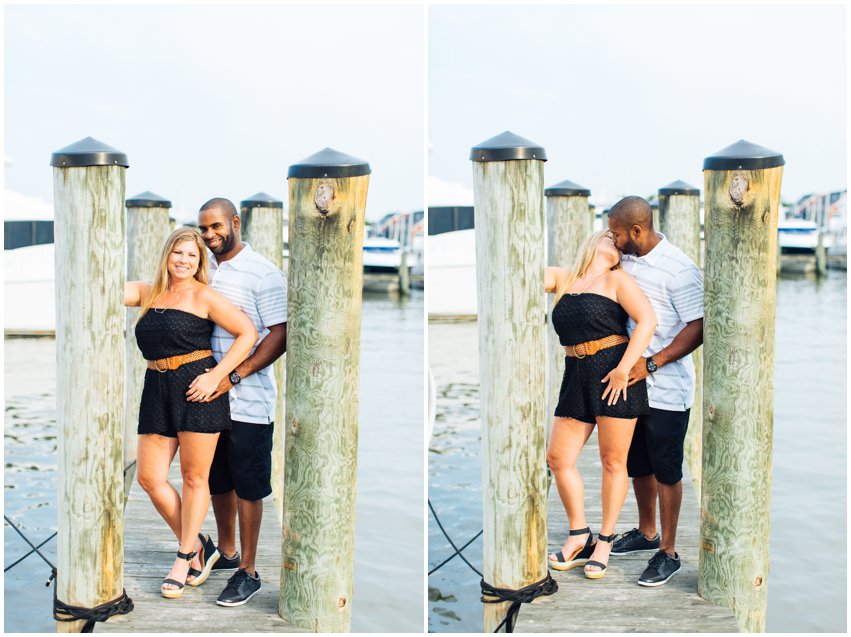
(674, 286)
(240, 476)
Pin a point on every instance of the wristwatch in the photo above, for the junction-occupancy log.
(235, 378)
(651, 365)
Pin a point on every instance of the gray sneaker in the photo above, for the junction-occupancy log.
(634, 541)
(661, 568)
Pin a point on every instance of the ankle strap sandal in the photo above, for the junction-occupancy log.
(606, 538)
(579, 531)
(173, 593)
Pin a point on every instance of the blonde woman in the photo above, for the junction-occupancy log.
(173, 332)
(592, 302)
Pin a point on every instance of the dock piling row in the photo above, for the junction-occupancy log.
(88, 186)
(508, 175)
(742, 191)
(327, 201)
(263, 229)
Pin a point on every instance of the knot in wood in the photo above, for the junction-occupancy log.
(294, 425)
(341, 603)
(323, 197)
(738, 188)
(711, 411)
(757, 582)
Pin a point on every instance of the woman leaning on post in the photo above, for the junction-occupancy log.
(173, 332)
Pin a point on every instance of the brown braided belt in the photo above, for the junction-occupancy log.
(163, 365)
(581, 350)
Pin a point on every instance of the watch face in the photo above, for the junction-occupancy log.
(651, 365)
(234, 378)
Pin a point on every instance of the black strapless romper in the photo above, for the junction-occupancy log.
(164, 409)
(588, 317)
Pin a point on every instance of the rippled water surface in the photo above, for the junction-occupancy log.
(389, 530)
(807, 583)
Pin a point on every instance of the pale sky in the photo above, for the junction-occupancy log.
(217, 100)
(626, 99)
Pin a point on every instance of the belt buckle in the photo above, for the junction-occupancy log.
(157, 365)
(576, 352)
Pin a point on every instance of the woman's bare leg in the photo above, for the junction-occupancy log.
(566, 441)
(615, 436)
(154, 454)
(196, 456)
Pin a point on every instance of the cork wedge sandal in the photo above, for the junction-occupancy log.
(209, 555)
(173, 593)
(579, 557)
(602, 572)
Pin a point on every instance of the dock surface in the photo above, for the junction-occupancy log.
(616, 603)
(149, 550)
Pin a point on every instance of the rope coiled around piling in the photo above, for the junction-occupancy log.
(546, 586)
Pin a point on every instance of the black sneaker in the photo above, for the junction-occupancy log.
(660, 569)
(634, 541)
(241, 587)
(226, 563)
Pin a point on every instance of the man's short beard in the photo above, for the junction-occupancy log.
(226, 245)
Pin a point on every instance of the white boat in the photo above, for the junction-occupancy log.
(29, 290)
(799, 236)
(381, 256)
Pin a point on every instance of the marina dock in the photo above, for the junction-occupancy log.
(149, 549)
(617, 603)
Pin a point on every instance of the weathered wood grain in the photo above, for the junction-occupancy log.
(679, 217)
(569, 221)
(617, 603)
(738, 400)
(149, 548)
(510, 246)
(89, 239)
(147, 231)
(323, 334)
(263, 229)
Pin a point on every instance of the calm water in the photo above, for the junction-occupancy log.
(806, 587)
(389, 531)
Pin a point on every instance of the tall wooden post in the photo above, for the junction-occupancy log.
(821, 256)
(569, 221)
(148, 228)
(263, 228)
(404, 274)
(327, 203)
(742, 186)
(679, 221)
(508, 176)
(88, 191)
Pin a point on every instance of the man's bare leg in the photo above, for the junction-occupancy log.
(225, 508)
(250, 516)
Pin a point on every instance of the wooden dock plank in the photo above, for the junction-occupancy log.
(617, 603)
(149, 549)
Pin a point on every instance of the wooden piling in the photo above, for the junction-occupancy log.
(821, 256)
(508, 174)
(742, 186)
(148, 228)
(263, 229)
(404, 274)
(679, 221)
(327, 200)
(569, 221)
(88, 187)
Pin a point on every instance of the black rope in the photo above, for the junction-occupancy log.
(546, 586)
(457, 550)
(63, 612)
(34, 548)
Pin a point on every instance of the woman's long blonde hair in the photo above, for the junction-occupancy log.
(584, 259)
(160, 283)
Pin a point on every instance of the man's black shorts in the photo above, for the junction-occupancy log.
(657, 446)
(243, 461)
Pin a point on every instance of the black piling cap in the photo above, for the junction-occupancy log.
(507, 146)
(261, 200)
(88, 152)
(743, 156)
(567, 188)
(678, 188)
(147, 200)
(329, 163)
